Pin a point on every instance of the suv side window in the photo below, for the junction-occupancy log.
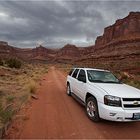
(82, 76)
(71, 71)
(75, 73)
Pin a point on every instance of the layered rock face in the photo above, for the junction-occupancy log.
(69, 51)
(67, 54)
(124, 29)
(24, 54)
(42, 53)
(6, 50)
(39, 51)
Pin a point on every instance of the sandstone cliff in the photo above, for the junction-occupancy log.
(126, 29)
(6, 50)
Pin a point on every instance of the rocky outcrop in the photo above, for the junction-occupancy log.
(68, 51)
(39, 51)
(67, 54)
(6, 50)
(124, 29)
(24, 54)
(43, 53)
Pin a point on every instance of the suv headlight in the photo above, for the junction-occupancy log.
(112, 101)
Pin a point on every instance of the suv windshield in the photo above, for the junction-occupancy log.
(101, 77)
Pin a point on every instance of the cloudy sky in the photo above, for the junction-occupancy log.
(56, 23)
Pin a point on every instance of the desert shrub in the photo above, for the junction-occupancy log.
(137, 63)
(10, 98)
(24, 98)
(1, 62)
(1, 93)
(133, 83)
(1, 109)
(32, 87)
(13, 63)
(5, 115)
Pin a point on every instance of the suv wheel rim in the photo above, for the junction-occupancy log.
(91, 108)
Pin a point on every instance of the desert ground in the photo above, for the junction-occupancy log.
(55, 115)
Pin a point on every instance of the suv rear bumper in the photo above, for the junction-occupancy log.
(116, 113)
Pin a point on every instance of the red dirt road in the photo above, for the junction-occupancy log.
(56, 115)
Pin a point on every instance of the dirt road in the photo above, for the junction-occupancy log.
(55, 115)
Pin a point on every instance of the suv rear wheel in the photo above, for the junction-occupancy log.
(92, 109)
(68, 90)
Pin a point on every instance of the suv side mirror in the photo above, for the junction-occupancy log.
(82, 79)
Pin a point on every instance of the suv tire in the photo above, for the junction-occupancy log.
(68, 90)
(92, 109)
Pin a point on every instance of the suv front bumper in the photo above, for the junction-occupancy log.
(116, 113)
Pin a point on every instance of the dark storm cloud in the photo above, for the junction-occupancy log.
(55, 23)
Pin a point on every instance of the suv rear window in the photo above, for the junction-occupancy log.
(75, 73)
(82, 75)
(71, 71)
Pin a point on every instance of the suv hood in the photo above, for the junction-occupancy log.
(119, 90)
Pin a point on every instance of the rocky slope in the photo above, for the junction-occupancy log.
(6, 50)
(39, 53)
(67, 54)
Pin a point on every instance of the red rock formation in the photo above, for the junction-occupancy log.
(24, 54)
(39, 51)
(42, 53)
(68, 51)
(6, 50)
(27, 54)
(123, 29)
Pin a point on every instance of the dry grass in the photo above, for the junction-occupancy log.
(32, 87)
(6, 114)
(64, 67)
(130, 79)
(16, 87)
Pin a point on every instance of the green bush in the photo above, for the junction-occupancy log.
(13, 63)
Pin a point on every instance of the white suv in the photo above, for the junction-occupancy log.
(103, 95)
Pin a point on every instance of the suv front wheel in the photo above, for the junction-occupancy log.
(92, 109)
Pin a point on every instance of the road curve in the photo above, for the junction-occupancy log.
(56, 115)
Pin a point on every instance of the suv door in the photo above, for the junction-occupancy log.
(81, 84)
(74, 81)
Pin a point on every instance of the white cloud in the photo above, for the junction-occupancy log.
(3, 15)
